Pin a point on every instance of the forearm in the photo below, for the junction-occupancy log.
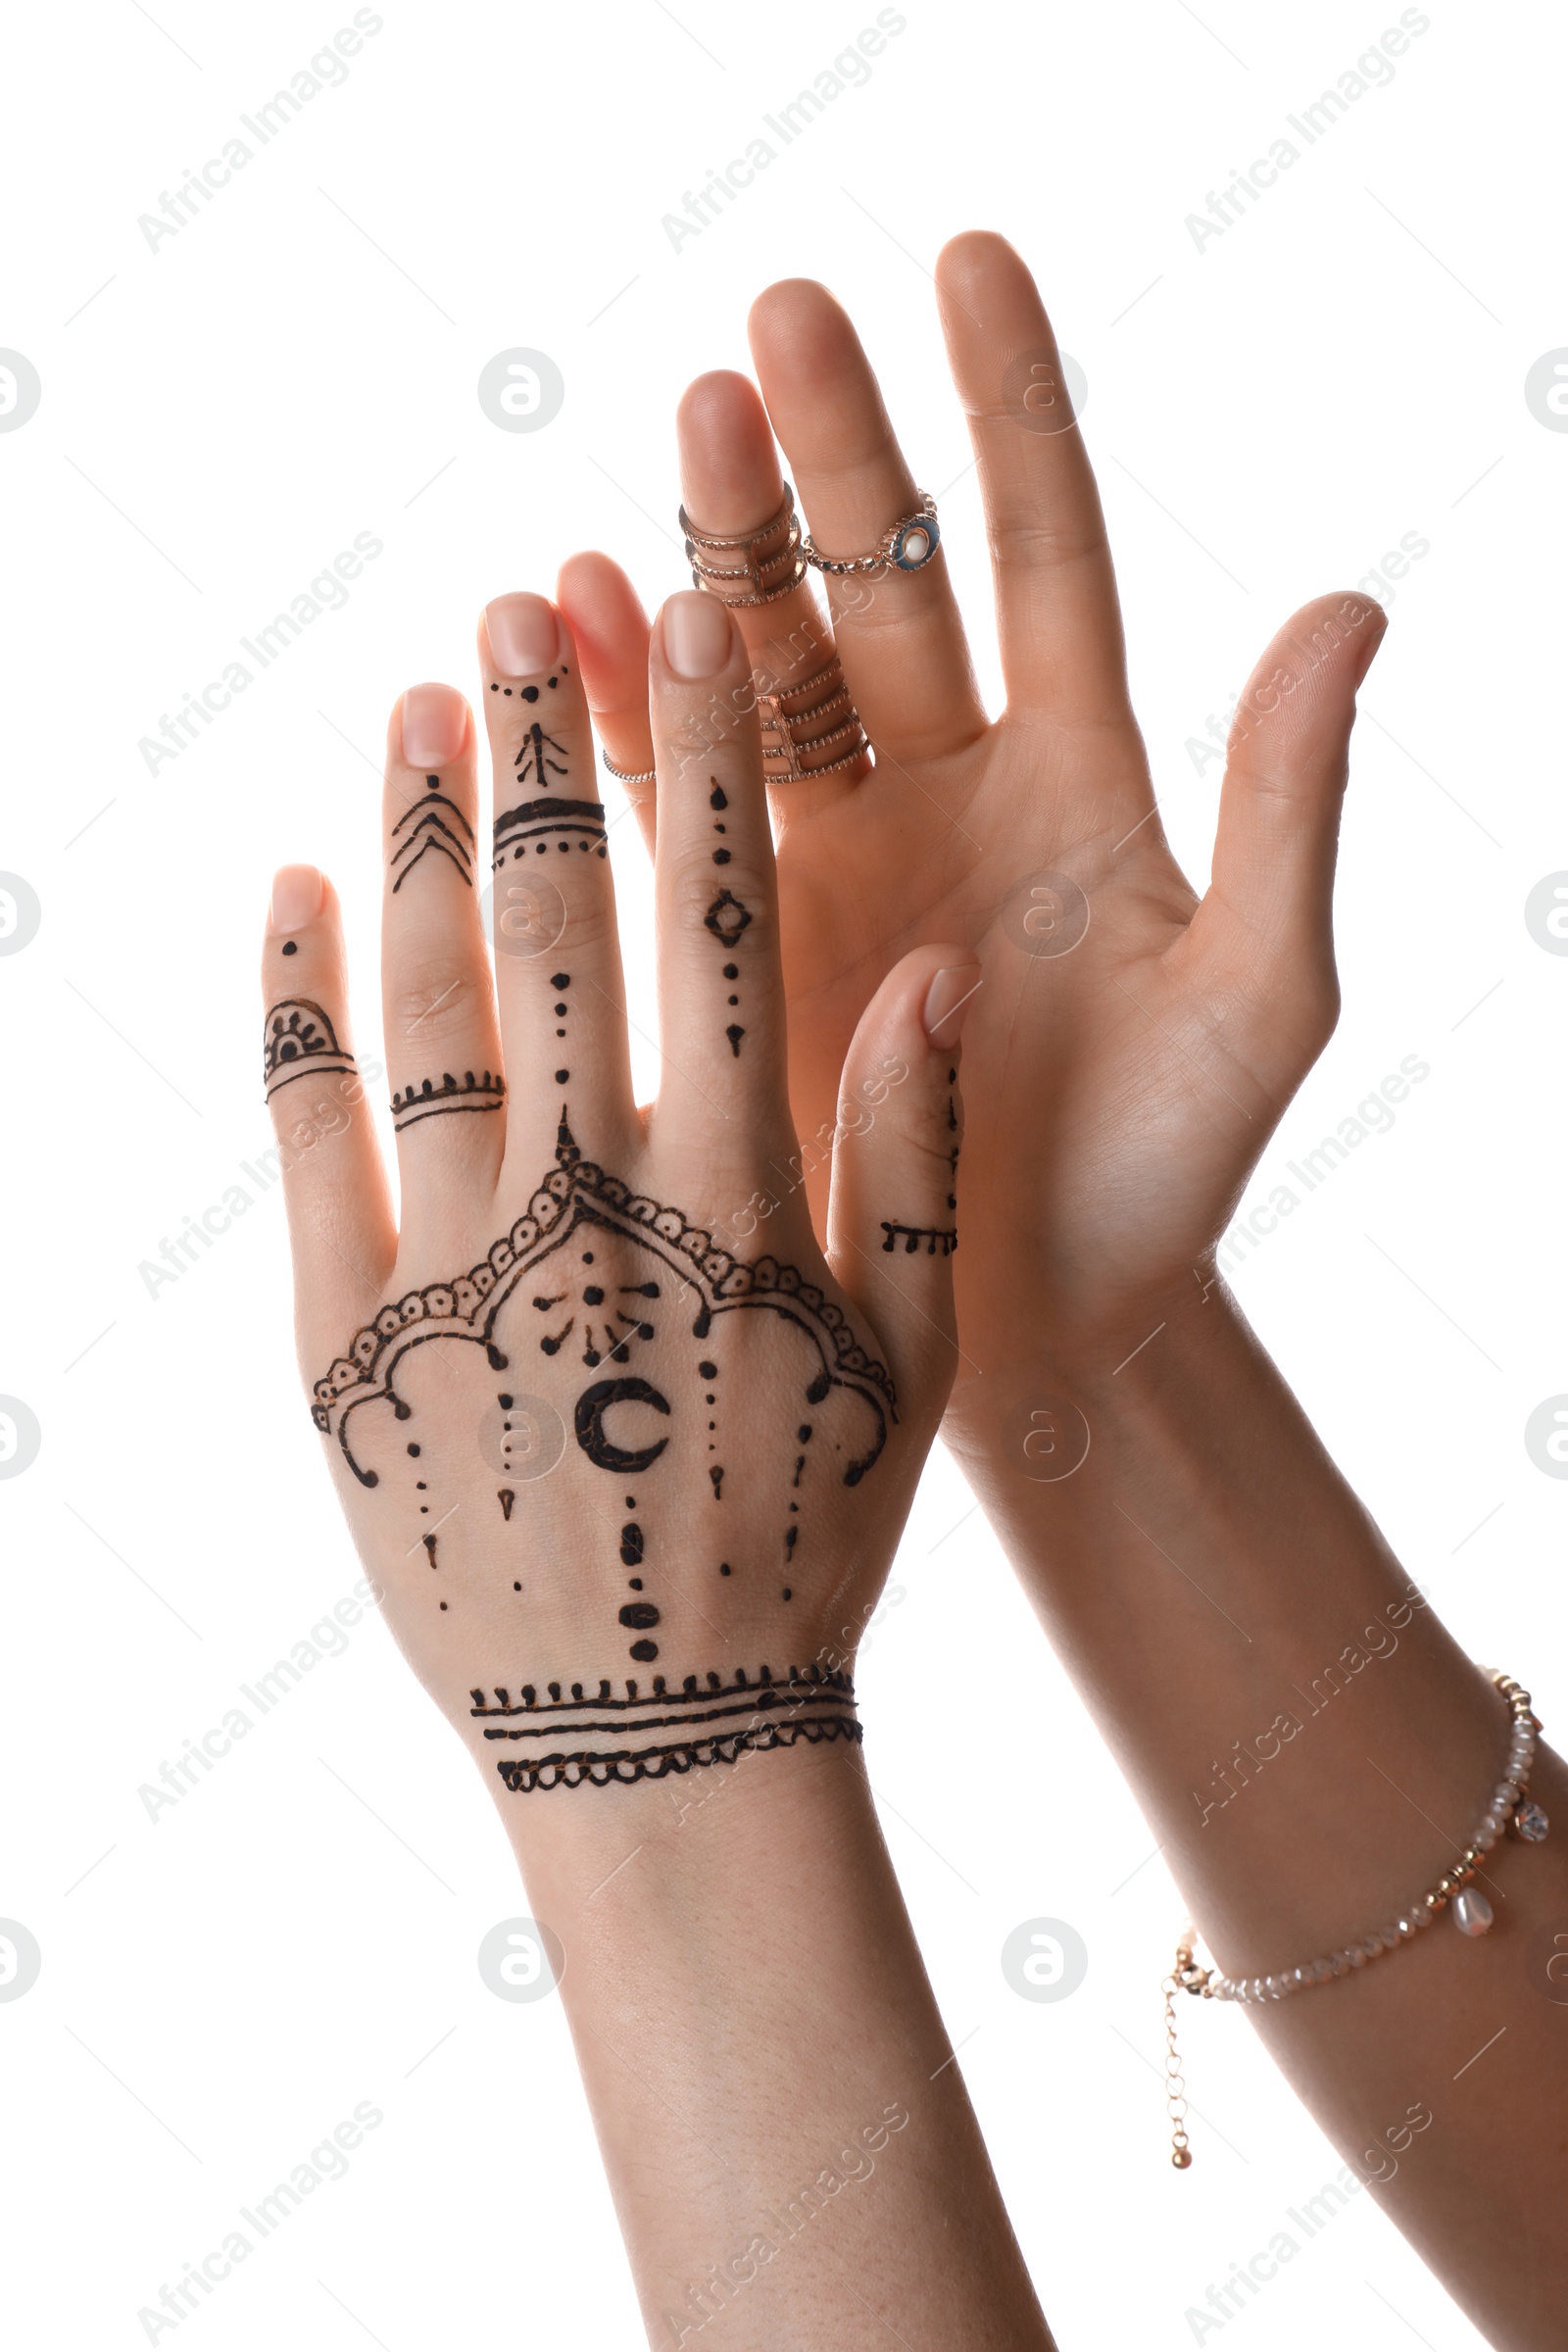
(789, 2145)
(1312, 1750)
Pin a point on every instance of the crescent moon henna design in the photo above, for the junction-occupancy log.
(575, 1199)
(299, 1041)
(434, 1096)
(708, 1721)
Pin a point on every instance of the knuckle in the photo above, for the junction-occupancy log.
(435, 998)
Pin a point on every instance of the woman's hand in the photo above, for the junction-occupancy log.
(627, 1455)
(630, 1486)
(1132, 1047)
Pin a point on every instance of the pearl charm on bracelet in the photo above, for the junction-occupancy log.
(1511, 1808)
(1472, 1912)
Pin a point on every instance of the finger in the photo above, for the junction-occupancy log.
(893, 1220)
(1057, 616)
(443, 1047)
(606, 617)
(341, 1231)
(1268, 919)
(722, 1096)
(731, 483)
(899, 631)
(558, 956)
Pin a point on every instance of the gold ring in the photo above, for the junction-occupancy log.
(770, 562)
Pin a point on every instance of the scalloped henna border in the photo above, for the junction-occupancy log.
(522, 1774)
(465, 1307)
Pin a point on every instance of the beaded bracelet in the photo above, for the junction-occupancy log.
(1511, 1808)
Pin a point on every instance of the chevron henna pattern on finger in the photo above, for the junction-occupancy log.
(425, 828)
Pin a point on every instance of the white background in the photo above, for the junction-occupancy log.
(1269, 415)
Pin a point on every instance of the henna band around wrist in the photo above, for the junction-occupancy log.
(562, 1741)
(1511, 1809)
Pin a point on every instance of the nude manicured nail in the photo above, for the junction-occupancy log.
(948, 1001)
(525, 634)
(435, 722)
(696, 631)
(297, 896)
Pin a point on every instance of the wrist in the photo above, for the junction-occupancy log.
(1044, 1386)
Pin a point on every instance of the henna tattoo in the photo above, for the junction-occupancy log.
(506, 1497)
(578, 1199)
(529, 694)
(718, 1477)
(429, 830)
(291, 947)
(589, 1422)
(617, 1343)
(427, 1099)
(596, 1740)
(727, 918)
(540, 821)
(299, 1041)
(953, 1155)
(935, 1237)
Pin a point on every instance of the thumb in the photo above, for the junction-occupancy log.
(1270, 905)
(892, 1223)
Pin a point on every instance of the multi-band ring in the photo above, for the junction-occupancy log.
(909, 544)
(814, 716)
(748, 568)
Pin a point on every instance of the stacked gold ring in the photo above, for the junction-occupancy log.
(794, 731)
(769, 558)
(811, 728)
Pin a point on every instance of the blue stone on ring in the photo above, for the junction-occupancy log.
(916, 543)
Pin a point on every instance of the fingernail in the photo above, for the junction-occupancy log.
(696, 631)
(297, 896)
(525, 634)
(948, 1001)
(436, 723)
